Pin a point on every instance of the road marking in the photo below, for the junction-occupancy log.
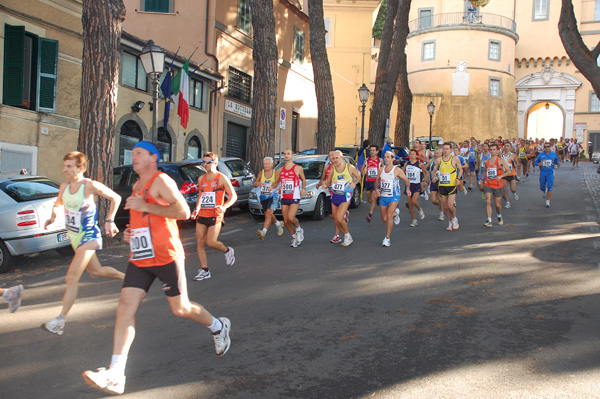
(51, 281)
(231, 232)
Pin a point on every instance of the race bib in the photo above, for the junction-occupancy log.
(413, 174)
(471, 154)
(522, 155)
(547, 163)
(492, 172)
(372, 173)
(509, 166)
(338, 186)
(73, 221)
(445, 178)
(208, 200)
(140, 244)
(386, 188)
(287, 187)
(265, 189)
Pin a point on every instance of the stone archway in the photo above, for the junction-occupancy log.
(547, 86)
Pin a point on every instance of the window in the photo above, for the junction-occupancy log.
(298, 46)
(30, 70)
(594, 102)
(132, 72)
(428, 51)
(495, 87)
(328, 32)
(244, 17)
(494, 51)
(597, 11)
(196, 93)
(239, 85)
(193, 148)
(540, 10)
(162, 6)
(129, 135)
(425, 16)
(164, 144)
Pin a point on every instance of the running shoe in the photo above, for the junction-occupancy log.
(545, 193)
(347, 240)
(470, 187)
(547, 203)
(369, 217)
(260, 234)
(500, 221)
(488, 223)
(397, 216)
(517, 178)
(414, 223)
(421, 214)
(106, 380)
(426, 195)
(299, 235)
(449, 226)
(507, 206)
(455, 224)
(229, 257)
(222, 340)
(336, 239)
(483, 196)
(55, 326)
(465, 192)
(345, 218)
(202, 275)
(295, 242)
(386, 242)
(14, 300)
(280, 229)
(516, 196)
(442, 217)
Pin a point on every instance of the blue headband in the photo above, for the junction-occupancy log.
(148, 146)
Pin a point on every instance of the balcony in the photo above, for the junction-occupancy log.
(462, 20)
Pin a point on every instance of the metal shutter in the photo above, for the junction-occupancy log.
(294, 132)
(236, 141)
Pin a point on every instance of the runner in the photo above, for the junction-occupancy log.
(388, 190)
(370, 171)
(574, 149)
(495, 169)
(413, 170)
(531, 156)
(522, 155)
(156, 252)
(510, 180)
(336, 237)
(342, 181)
(13, 296)
(209, 213)
(434, 185)
(269, 198)
(561, 150)
(77, 195)
(465, 168)
(450, 170)
(484, 156)
(546, 160)
(293, 187)
(472, 158)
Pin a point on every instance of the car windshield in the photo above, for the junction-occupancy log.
(312, 169)
(238, 168)
(191, 172)
(30, 189)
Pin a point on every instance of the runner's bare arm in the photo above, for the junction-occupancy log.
(425, 172)
(57, 203)
(99, 189)
(401, 175)
(300, 172)
(257, 182)
(434, 171)
(171, 203)
(355, 174)
(225, 182)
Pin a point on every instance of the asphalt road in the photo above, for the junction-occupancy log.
(503, 312)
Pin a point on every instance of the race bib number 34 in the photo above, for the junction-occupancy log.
(73, 221)
(140, 244)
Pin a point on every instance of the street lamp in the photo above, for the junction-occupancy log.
(363, 95)
(431, 110)
(153, 60)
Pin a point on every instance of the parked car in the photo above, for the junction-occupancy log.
(313, 203)
(436, 141)
(308, 151)
(184, 173)
(596, 157)
(238, 171)
(25, 205)
(350, 150)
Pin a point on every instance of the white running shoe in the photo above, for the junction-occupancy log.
(426, 196)
(500, 221)
(202, 275)
(221, 338)
(106, 380)
(414, 223)
(465, 192)
(260, 234)
(507, 206)
(299, 235)
(295, 242)
(455, 224)
(14, 301)
(516, 196)
(336, 239)
(421, 214)
(347, 240)
(545, 193)
(397, 216)
(386, 242)
(229, 257)
(547, 203)
(280, 229)
(55, 326)
(442, 216)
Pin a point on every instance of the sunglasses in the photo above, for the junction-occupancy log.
(208, 162)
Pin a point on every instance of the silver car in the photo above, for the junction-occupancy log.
(313, 203)
(25, 205)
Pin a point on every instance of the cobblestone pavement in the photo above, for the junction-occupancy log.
(591, 181)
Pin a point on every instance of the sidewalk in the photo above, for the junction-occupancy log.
(591, 182)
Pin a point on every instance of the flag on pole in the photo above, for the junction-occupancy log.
(165, 88)
(183, 108)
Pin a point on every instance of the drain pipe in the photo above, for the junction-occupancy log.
(209, 37)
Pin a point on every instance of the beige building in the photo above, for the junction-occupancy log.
(40, 59)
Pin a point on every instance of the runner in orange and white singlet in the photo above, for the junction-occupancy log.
(155, 206)
(209, 212)
(510, 180)
(494, 170)
(370, 170)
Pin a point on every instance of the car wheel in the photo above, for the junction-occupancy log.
(319, 212)
(355, 202)
(65, 251)
(6, 259)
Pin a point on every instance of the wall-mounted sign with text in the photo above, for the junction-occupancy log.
(238, 109)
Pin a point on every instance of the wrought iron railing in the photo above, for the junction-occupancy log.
(462, 19)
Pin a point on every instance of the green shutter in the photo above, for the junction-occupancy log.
(14, 53)
(157, 6)
(47, 72)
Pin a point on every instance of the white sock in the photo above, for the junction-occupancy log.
(216, 325)
(347, 236)
(499, 215)
(299, 228)
(117, 363)
(278, 223)
(489, 219)
(264, 231)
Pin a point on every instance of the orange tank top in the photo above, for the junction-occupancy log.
(211, 195)
(491, 171)
(154, 239)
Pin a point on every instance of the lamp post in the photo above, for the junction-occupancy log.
(153, 60)
(431, 110)
(363, 95)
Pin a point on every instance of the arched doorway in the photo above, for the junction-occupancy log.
(129, 135)
(165, 144)
(194, 148)
(545, 120)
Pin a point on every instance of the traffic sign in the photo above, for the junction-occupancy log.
(282, 118)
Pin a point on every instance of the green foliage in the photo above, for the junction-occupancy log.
(380, 21)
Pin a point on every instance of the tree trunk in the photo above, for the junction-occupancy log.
(583, 58)
(264, 92)
(393, 44)
(404, 98)
(323, 83)
(102, 22)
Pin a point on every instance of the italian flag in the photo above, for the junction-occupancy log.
(181, 86)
